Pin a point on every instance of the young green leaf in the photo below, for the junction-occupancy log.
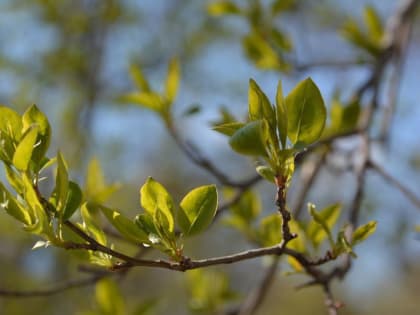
(90, 224)
(228, 129)
(23, 153)
(281, 116)
(39, 218)
(363, 232)
(149, 100)
(61, 184)
(74, 199)
(198, 208)
(373, 23)
(172, 80)
(306, 113)
(13, 207)
(125, 226)
(266, 172)
(251, 139)
(259, 106)
(33, 116)
(10, 123)
(154, 196)
(139, 79)
(323, 221)
(222, 7)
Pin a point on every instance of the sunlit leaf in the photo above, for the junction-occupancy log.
(10, 123)
(373, 23)
(90, 223)
(198, 208)
(363, 232)
(125, 226)
(13, 207)
(172, 80)
(26, 146)
(306, 113)
(228, 129)
(74, 200)
(139, 79)
(33, 116)
(154, 196)
(251, 139)
(266, 172)
(223, 7)
(323, 221)
(281, 115)
(61, 184)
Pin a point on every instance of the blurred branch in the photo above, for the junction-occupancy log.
(195, 156)
(71, 284)
(396, 183)
(336, 64)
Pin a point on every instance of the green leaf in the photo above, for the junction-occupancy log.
(74, 199)
(266, 172)
(342, 245)
(281, 40)
(26, 146)
(198, 208)
(279, 6)
(259, 106)
(10, 123)
(14, 179)
(172, 80)
(145, 223)
(251, 139)
(262, 54)
(61, 184)
(40, 219)
(109, 298)
(306, 113)
(352, 33)
(281, 116)
(33, 116)
(363, 232)
(139, 79)
(125, 226)
(323, 221)
(228, 129)
(90, 224)
(373, 23)
(149, 100)
(154, 196)
(222, 7)
(13, 207)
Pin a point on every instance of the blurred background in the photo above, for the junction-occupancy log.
(72, 59)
